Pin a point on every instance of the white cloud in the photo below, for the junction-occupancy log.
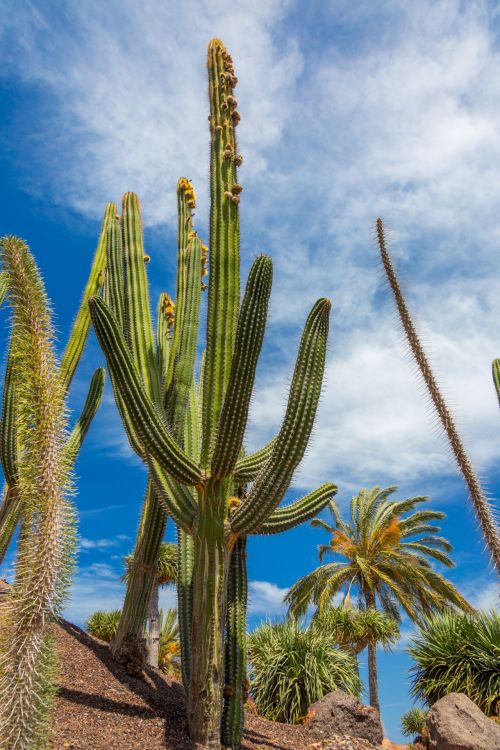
(266, 599)
(98, 543)
(401, 121)
(485, 595)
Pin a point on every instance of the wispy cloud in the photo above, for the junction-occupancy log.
(401, 121)
(266, 599)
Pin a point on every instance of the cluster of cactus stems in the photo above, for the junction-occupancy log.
(37, 454)
(190, 435)
(480, 502)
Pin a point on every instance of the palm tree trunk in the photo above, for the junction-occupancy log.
(154, 628)
(369, 597)
(372, 675)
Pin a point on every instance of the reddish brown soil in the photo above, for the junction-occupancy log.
(100, 707)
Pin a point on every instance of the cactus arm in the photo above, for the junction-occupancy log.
(291, 442)
(114, 284)
(236, 636)
(496, 376)
(92, 403)
(10, 512)
(114, 296)
(175, 497)
(481, 505)
(185, 600)
(223, 292)
(8, 431)
(183, 354)
(249, 336)
(128, 647)
(283, 519)
(138, 321)
(79, 332)
(248, 467)
(192, 441)
(140, 410)
(4, 285)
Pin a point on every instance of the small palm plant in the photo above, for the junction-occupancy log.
(169, 660)
(353, 629)
(387, 548)
(457, 652)
(103, 624)
(413, 722)
(291, 667)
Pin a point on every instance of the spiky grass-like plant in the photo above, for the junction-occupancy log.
(103, 624)
(413, 722)
(291, 667)
(458, 653)
(480, 503)
(47, 533)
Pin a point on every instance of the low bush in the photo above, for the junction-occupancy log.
(103, 624)
(455, 652)
(292, 667)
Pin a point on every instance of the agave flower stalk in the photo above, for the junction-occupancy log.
(197, 478)
(479, 501)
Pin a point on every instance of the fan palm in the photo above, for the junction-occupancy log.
(387, 548)
(166, 573)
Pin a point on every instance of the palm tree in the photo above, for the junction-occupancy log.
(387, 548)
(353, 629)
(166, 573)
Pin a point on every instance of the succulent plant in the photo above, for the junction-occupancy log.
(37, 457)
(191, 438)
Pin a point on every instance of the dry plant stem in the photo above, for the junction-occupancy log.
(481, 505)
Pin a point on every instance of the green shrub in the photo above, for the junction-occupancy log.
(458, 653)
(103, 624)
(292, 667)
(413, 722)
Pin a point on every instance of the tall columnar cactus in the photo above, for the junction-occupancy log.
(198, 473)
(39, 475)
(479, 500)
(10, 507)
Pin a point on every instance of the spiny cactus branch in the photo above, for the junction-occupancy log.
(271, 484)
(283, 519)
(249, 336)
(141, 411)
(496, 377)
(81, 326)
(480, 503)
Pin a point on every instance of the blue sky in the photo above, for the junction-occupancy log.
(349, 111)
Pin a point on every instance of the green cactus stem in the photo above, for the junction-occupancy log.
(235, 685)
(47, 527)
(191, 438)
(479, 501)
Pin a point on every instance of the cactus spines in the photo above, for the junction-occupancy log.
(192, 437)
(47, 518)
(10, 508)
(479, 501)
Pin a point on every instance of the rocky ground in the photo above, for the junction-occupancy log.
(99, 707)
